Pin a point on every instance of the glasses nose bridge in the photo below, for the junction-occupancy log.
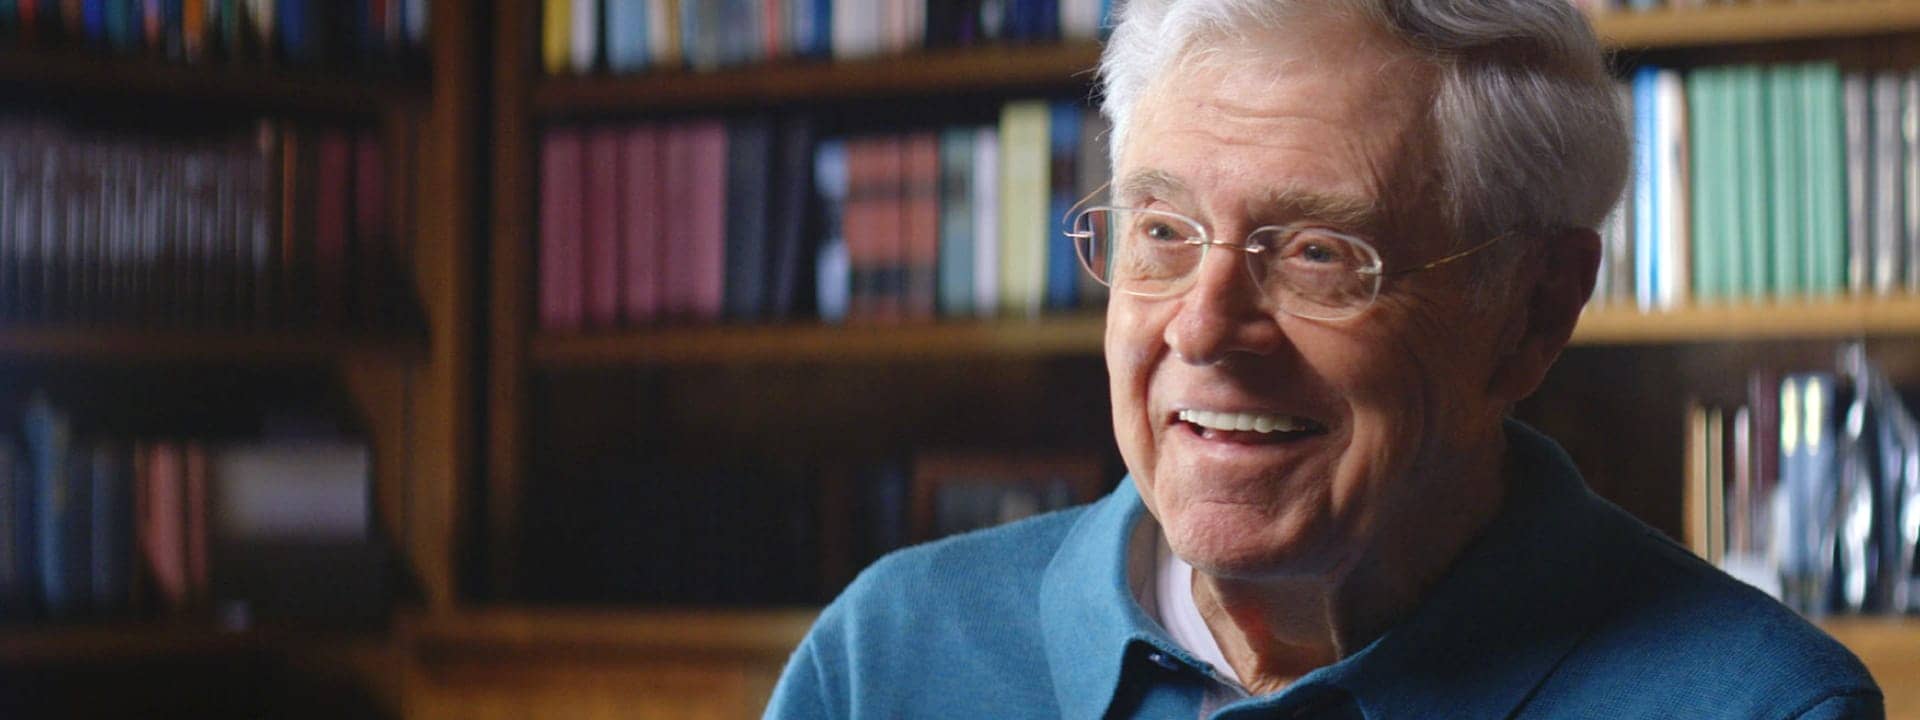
(1246, 256)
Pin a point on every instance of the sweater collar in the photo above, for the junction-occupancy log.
(1518, 599)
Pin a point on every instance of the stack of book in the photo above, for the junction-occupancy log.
(758, 219)
(358, 35)
(1766, 182)
(280, 226)
(627, 36)
(1809, 489)
(103, 526)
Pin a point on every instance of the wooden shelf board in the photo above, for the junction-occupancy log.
(1810, 319)
(97, 74)
(762, 633)
(109, 345)
(1076, 335)
(1754, 22)
(127, 640)
(926, 73)
(1890, 647)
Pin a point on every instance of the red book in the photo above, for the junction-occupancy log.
(29, 17)
(888, 230)
(198, 578)
(371, 232)
(560, 256)
(331, 215)
(162, 522)
(640, 224)
(920, 223)
(603, 222)
(698, 246)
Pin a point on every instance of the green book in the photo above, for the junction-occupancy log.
(1703, 117)
(1787, 176)
(1752, 179)
(1825, 150)
(956, 222)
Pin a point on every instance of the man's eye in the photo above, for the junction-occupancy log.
(1160, 232)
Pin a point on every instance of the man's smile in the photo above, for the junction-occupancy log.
(1248, 428)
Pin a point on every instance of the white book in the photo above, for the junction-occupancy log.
(1855, 94)
(310, 490)
(1080, 19)
(1885, 211)
(986, 222)
(417, 22)
(586, 35)
(856, 28)
(1670, 181)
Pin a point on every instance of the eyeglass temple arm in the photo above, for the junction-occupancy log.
(1066, 221)
(1445, 260)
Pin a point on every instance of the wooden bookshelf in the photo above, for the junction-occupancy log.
(86, 73)
(1741, 23)
(133, 345)
(126, 640)
(1082, 335)
(1890, 647)
(934, 72)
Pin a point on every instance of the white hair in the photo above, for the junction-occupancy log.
(1531, 135)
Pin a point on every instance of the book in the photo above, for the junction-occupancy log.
(642, 224)
(956, 286)
(1787, 162)
(562, 304)
(110, 528)
(556, 46)
(920, 224)
(791, 226)
(986, 222)
(1671, 181)
(601, 220)
(705, 222)
(583, 38)
(1863, 262)
(627, 35)
(1646, 199)
(833, 284)
(48, 433)
(16, 563)
(375, 258)
(748, 190)
(1024, 189)
(1062, 263)
(333, 250)
(663, 33)
(1826, 171)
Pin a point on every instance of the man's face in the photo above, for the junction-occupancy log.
(1268, 133)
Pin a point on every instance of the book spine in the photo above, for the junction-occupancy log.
(601, 221)
(956, 222)
(642, 227)
(561, 301)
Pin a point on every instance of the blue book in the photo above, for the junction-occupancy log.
(832, 286)
(1063, 264)
(956, 222)
(48, 440)
(749, 157)
(93, 21)
(296, 31)
(1646, 218)
(626, 40)
(792, 198)
(172, 27)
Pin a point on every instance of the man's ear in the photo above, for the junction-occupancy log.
(1556, 277)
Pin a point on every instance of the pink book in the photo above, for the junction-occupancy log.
(920, 223)
(561, 302)
(374, 253)
(676, 210)
(331, 216)
(706, 222)
(889, 229)
(199, 580)
(640, 224)
(602, 221)
(162, 523)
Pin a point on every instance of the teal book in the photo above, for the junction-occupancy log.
(1709, 244)
(1786, 176)
(956, 222)
(1830, 185)
(1727, 215)
(1751, 180)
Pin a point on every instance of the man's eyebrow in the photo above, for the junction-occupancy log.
(1291, 204)
(1145, 184)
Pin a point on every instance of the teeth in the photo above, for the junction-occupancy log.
(1242, 422)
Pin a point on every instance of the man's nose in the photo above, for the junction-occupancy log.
(1223, 313)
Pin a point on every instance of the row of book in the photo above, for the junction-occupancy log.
(1604, 6)
(1774, 181)
(763, 220)
(1809, 489)
(628, 36)
(99, 526)
(360, 35)
(596, 530)
(279, 226)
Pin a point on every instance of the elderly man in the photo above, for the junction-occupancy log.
(1345, 237)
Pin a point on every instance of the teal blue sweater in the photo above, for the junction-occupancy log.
(1565, 607)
